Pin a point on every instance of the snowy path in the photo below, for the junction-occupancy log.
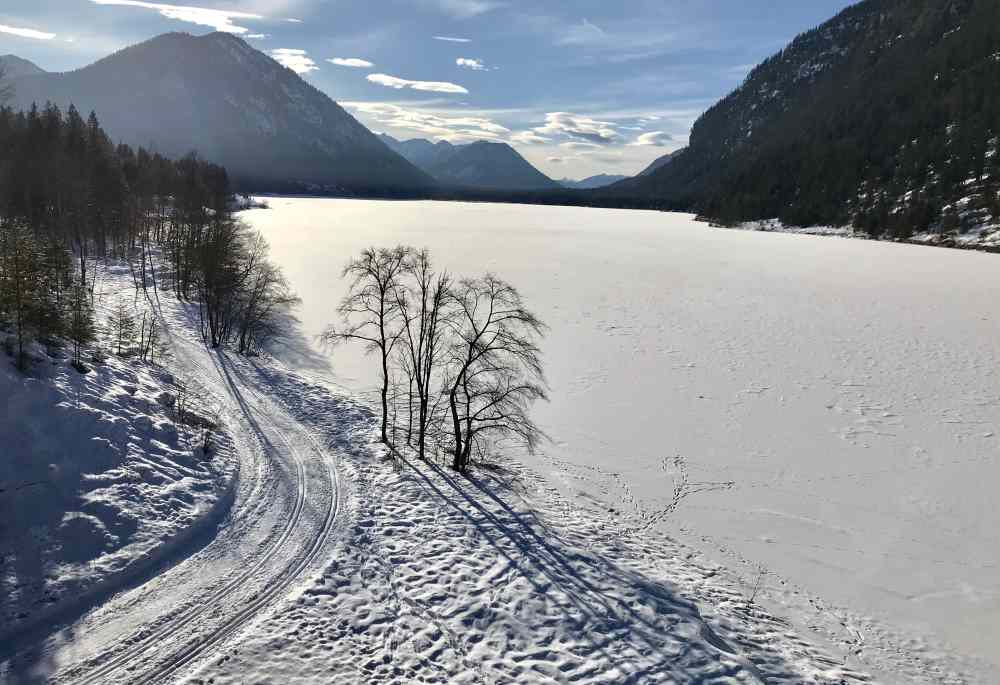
(284, 514)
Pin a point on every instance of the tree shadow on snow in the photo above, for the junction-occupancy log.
(600, 598)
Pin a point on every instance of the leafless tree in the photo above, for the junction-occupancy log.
(421, 297)
(369, 312)
(266, 299)
(494, 366)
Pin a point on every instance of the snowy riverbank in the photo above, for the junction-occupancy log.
(985, 238)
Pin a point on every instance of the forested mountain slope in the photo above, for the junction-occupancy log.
(886, 116)
(234, 105)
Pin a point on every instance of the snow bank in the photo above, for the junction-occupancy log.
(985, 238)
(98, 477)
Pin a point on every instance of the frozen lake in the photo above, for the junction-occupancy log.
(848, 389)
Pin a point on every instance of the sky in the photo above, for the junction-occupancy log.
(579, 87)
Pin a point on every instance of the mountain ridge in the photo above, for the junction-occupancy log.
(482, 164)
(882, 117)
(217, 95)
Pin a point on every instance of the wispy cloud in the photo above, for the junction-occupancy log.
(431, 124)
(297, 60)
(653, 139)
(529, 138)
(583, 33)
(429, 86)
(354, 62)
(256, 36)
(579, 127)
(26, 33)
(464, 9)
(468, 63)
(452, 39)
(580, 146)
(220, 20)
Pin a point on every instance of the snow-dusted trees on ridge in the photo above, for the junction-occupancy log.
(468, 351)
(6, 87)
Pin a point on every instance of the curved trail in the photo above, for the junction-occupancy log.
(284, 514)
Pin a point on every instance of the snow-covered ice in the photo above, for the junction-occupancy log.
(847, 389)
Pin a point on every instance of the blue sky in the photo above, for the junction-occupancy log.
(578, 87)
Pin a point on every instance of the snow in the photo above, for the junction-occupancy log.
(774, 460)
(99, 479)
(499, 578)
(846, 388)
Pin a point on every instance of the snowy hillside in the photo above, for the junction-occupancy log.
(102, 473)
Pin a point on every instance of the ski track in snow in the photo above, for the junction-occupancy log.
(276, 533)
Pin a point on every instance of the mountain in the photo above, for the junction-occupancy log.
(419, 151)
(591, 182)
(235, 106)
(659, 163)
(16, 67)
(483, 165)
(886, 116)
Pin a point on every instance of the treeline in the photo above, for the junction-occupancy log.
(70, 198)
(460, 362)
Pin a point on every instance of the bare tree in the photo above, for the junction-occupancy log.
(369, 312)
(421, 297)
(494, 367)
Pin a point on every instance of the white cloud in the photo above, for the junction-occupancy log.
(579, 127)
(580, 146)
(26, 33)
(429, 86)
(529, 138)
(464, 9)
(294, 21)
(256, 36)
(468, 63)
(220, 20)
(351, 62)
(430, 124)
(653, 139)
(296, 60)
(452, 39)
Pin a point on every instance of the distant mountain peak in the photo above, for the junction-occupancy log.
(18, 67)
(485, 164)
(235, 105)
(591, 182)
